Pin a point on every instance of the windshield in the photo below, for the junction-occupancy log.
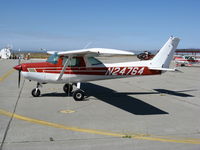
(53, 58)
(94, 61)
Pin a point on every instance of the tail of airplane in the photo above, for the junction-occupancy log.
(163, 58)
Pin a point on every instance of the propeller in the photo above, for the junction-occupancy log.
(19, 72)
(19, 69)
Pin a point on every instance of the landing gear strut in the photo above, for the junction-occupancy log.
(36, 92)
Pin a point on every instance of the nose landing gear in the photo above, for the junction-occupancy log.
(36, 92)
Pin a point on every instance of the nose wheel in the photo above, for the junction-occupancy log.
(36, 92)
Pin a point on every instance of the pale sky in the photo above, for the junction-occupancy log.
(120, 24)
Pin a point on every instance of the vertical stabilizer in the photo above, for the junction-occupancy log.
(165, 55)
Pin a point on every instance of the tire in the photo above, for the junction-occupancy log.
(36, 92)
(67, 88)
(79, 95)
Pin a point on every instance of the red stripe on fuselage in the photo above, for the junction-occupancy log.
(46, 67)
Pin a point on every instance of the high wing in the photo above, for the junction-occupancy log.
(93, 52)
(88, 52)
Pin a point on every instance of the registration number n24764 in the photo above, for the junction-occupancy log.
(125, 71)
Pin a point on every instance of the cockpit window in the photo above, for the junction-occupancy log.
(94, 61)
(53, 58)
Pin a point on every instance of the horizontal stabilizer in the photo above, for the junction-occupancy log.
(164, 69)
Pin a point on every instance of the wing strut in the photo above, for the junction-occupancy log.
(64, 67)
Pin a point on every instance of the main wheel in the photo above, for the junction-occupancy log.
(67, 88)
(78, 95)
(36, 92)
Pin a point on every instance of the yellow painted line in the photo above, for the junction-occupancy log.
(100, 132)
(6, 74)
(41, 122)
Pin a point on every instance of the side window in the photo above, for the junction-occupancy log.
(93, 61)
(74, 62)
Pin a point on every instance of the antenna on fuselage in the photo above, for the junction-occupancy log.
(87, 45)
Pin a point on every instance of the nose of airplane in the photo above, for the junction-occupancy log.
(18, 67)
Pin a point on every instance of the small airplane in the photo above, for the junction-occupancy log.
(186, 60)
(73, 67)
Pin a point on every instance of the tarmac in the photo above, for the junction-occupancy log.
(153, 112)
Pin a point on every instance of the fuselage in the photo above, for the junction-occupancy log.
(84, 70)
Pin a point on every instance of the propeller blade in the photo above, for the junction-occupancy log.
(19, 73)
(19, 78)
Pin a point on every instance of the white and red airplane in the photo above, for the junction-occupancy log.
(186, 60)
(73, 67)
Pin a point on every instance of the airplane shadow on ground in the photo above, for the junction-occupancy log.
(55, 94)
(175, 93)
(121, 100)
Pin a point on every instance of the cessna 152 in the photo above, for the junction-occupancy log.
(73, 67)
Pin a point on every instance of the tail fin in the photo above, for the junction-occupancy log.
(165, 55)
